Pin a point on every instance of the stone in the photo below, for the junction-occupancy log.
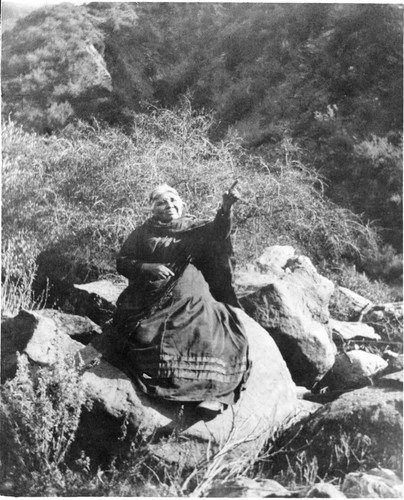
(386, 319)
(251, 281)
(245, 487)
(389, 311)
(364, 422)
(104, 289)
(356, 302)
(375, 483)
(275, 259)
(267, 401)
(324, 490)
(294, 310)
(394, 360)
(301, 392)
(79, 328)
(37, 336)
(353, 369)
(348, 330)
(303, 410)
(97, 68)
(97, 300)
(393, 380)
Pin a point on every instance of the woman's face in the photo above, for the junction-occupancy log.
(167, 207)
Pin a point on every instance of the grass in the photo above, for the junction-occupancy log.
(83, 191)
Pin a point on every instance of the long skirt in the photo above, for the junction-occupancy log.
(192, 349)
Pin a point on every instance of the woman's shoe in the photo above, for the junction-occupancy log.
(209, 409)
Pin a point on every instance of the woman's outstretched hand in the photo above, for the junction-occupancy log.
(157, 270)
(230, 197)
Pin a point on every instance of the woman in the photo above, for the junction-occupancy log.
(175, 322)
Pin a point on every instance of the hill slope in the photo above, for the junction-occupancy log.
(327, 75)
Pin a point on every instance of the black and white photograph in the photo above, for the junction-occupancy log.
(202, 249)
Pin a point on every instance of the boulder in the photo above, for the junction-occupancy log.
(120, 409)
(245, 487)
(356, 303)
(392, 380)
(324, 490)
(275, 259)
(394, 360)
(100, 80)
(352, 370)
(269, 266)
(79, 328)
(37, 336)
(97, 300)
(366, 422)
(293, 308)
(375, 483)
(349, 330)
(386, 319)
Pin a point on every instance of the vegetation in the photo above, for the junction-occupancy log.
(86, 188)
(301, 103)
(39, 415)
(327, 75)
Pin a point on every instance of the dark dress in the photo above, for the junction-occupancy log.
(182, 343)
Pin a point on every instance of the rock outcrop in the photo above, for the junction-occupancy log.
(367, 420)
(37, 336)
(352, 370)
(384, 318)
(267, 401)
(97, 300)
(375, 483)
(293, 308)
(350, 330)
(288, 329)
(119, 410)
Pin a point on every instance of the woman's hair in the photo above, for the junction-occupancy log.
(160, 190)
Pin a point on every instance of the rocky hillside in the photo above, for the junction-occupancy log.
(320, 416)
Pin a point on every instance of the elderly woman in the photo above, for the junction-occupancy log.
(175, 323)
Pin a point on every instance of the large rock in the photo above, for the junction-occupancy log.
(324, 490)
(79, 328)
(274, 260)
(366, 422)
(394, 360)
(349, 330)
(355, 303)
(244, 487)
(392, 380)
(293, 308)
(268, 400)
(386, 319)
(97, 300)
(376, 483)
(352, 370)
(37, 336)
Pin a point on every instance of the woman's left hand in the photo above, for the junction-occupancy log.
(230, 197)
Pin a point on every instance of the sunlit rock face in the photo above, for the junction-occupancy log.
(291, 302)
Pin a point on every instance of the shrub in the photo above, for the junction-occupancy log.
(40, 413)
(87, 188)
(17, 277)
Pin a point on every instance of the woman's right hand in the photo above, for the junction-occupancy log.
(159, 271)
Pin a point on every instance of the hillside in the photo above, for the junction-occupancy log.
(327, 76)
(302, 105)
